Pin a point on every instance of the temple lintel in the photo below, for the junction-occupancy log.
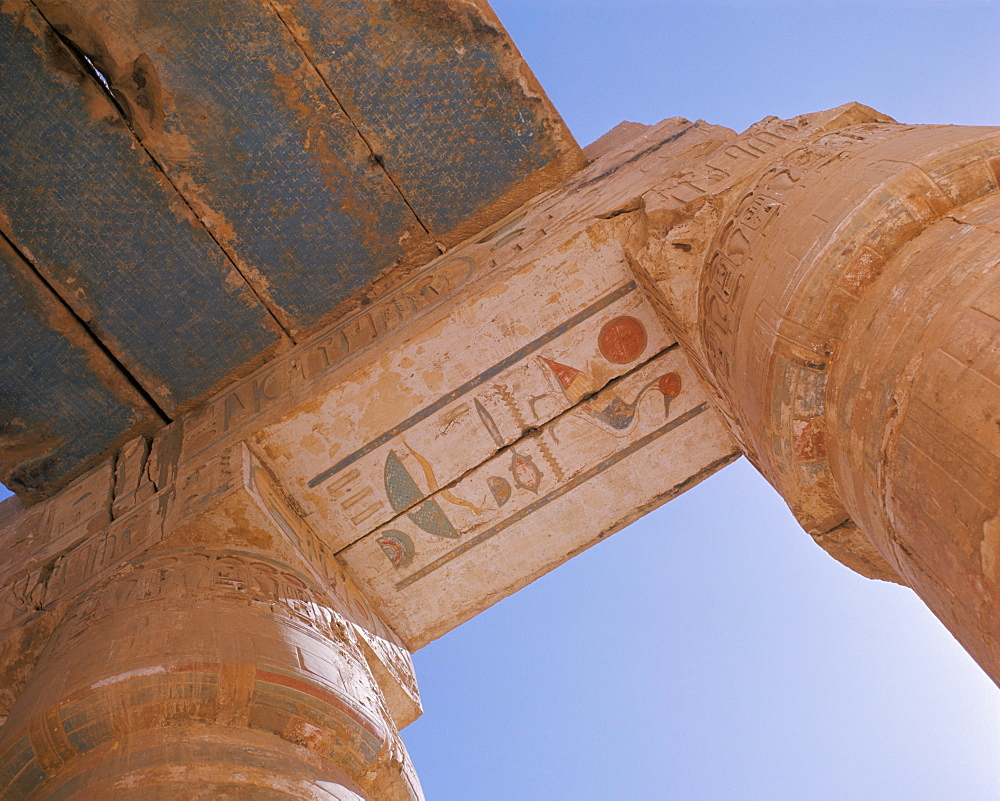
(816, 293)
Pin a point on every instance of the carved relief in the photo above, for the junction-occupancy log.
(347, 599)
(130, 470)
(204, 482)
(45, 587)
(318, 358)
(737, 247)
(210, 577)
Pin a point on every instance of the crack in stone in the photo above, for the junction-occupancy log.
(87, 64)
(130, 379)
(977, 226)
(525, 435)
(376, 157)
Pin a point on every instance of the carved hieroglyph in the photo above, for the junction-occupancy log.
(832, 277)
(826, 283)
(208, 626)
(385, 480)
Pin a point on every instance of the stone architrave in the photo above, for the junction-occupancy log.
(820, 290)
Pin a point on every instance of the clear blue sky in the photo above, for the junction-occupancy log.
(711, 652)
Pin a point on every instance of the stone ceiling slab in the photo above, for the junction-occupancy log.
(443, 97)
(230, 108)
(202, 185)
(62, 397)
(97, 219)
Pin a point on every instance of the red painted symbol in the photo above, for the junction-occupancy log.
(670, 385)
(622, 340)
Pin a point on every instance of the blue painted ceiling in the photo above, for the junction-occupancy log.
(187, 189)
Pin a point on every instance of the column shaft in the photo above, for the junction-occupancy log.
(915, 421)
(202, 674)
(848, 321)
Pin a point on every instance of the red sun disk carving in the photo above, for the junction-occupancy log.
(670, 385)
(622, 340)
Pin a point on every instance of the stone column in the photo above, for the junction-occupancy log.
(848, 320)
(212, 664)
(914, 421)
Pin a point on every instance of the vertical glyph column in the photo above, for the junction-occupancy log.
(228, 658)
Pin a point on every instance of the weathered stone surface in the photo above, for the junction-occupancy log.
(202, 185)
(291, 668)
(95, 216)
(677, 225)
(383, 418)
(380, 417)
(46, 432)
(914, 426)
(421, 396)
(828, 282)
(230, 108)
(467, 133)
(542, 499)
(133, 662)
(830, 276)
